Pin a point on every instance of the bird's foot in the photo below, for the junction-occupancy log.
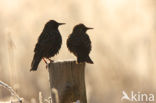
(47, 65)
(77, 62)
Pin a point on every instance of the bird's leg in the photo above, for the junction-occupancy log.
(50, 60)
(44, 60)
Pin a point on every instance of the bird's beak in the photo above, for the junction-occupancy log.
(61, 23)
(89, 28)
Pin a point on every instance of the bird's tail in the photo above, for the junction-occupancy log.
(35, 63)
(85, 59)
(88, 60)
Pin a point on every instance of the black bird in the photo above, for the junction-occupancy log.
(49, 43)
(79, 43)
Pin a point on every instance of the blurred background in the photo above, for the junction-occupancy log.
(123, 40)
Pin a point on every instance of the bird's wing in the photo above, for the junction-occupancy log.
(43, 40)
(83, 44)
(86, 41)
(86, 44)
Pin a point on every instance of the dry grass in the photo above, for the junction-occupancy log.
(13, 93)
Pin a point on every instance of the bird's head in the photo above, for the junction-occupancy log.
(81, 28)
(52, 24)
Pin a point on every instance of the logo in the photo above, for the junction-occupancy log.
(138, 96)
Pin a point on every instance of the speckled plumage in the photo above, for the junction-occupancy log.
(49, 43)
(79, 43)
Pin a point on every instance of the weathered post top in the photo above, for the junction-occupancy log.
(68, 78)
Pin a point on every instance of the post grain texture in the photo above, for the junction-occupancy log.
(68, 78)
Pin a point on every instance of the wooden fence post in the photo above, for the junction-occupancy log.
(68, 78)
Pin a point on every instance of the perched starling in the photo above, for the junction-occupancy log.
(49, 43)
(79, 43)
